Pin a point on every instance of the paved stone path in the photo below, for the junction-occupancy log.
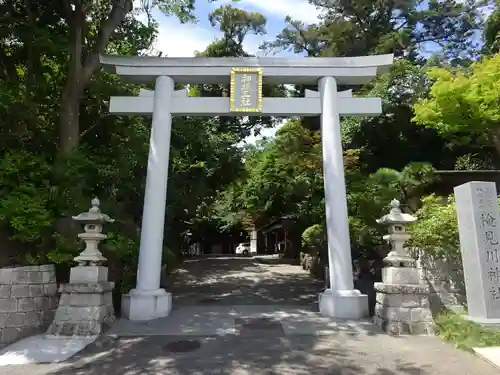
(243, 281)
(269, 327)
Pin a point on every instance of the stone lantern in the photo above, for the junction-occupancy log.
(86, 304)
(398, 257)
(402, 302)
(90, 261)
(93, 221)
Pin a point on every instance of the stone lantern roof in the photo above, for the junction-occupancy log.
(93, 215)
(396, 216)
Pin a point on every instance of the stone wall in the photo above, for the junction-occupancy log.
(28, 300)
(445, 279)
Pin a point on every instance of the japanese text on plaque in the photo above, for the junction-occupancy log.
(246, 90)
(488, 223)
(246, 98)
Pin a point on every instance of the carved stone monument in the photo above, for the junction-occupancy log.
(478, 224)
(402, 305)
(86, 305)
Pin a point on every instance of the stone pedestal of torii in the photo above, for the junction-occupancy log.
(246, 76)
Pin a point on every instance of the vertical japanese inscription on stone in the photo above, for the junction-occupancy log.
(479, 225)
(246, 90)
(488, 224)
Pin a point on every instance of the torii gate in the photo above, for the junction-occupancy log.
(246, 75)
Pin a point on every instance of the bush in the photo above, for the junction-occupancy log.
(25, 192)
(436, 230)
(314, 237)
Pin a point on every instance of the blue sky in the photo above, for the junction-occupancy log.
(181, 40)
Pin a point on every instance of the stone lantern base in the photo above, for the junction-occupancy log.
(403, 309)
(86, 304)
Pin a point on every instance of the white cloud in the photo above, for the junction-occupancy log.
(176, 39)
(182, 40)
(297, 9)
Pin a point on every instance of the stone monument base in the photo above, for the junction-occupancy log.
(403, 309)
(487, 323)
(343, 304)
(139, 305)
(84, 310)
(88, 274)
(401, 275)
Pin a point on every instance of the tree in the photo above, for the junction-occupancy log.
(393, 140)
(88, 28)
(236, 24)
(405, 28)
(218, 160)
(491, 32)
(282, 176)
(363, 27)
(463, 103)
(111, 159)
(409, 182)
(34, 62)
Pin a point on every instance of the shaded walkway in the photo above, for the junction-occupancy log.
(220, 296)
(242, 281)
(269, 326)
(270, 354)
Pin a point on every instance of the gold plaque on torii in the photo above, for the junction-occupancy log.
(246, 90)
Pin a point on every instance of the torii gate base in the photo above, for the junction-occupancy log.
(148, 301)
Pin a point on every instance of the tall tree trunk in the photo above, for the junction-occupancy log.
(69, 126)
(84, 62)
(69, 118)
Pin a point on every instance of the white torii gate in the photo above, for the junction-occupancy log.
(246, 75)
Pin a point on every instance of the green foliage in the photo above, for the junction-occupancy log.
(436, 230)
(25, 191)
(282, 176)
(491, 32)
(463, 103)
(392, 140)
(42, 187)
(364, 27)
(29, 219)
(476, 161)
(49, 95)
(314, 237)
(367, 200)
(465, 334)
(64, 251)
(408, 182)
(124, 250)
(405, 28)
(236, 23)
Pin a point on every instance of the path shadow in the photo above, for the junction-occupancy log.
(232, 355)
(242, 281)
(277, 260)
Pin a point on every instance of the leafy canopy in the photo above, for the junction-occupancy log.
(463, 103)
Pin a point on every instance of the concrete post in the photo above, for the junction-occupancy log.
(341, 300)
(253, 241)
(148, 301)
